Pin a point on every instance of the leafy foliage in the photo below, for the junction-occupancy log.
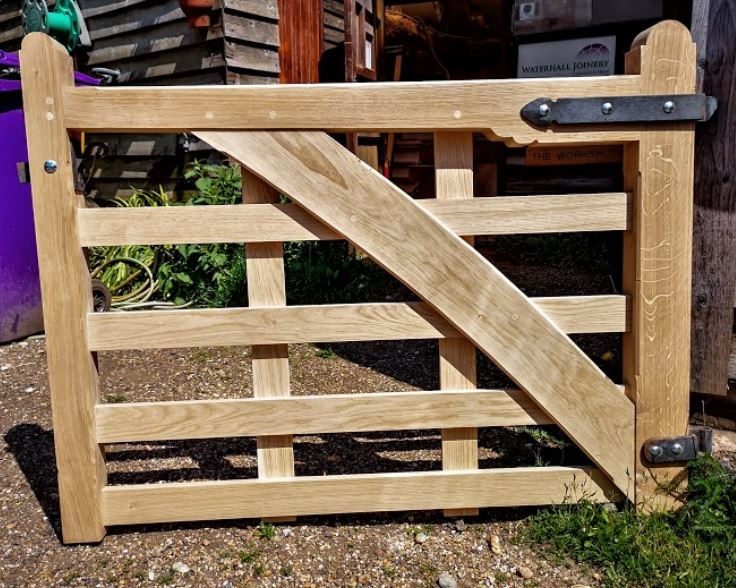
(206, 275)
(214, 275)
(692, 548)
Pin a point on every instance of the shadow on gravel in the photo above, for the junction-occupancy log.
(33, 450)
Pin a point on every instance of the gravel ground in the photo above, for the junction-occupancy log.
(403, 549)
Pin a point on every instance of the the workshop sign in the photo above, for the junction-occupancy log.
(591, 56)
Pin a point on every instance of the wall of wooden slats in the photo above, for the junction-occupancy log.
(151, 43)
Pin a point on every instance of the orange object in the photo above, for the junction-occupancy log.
(197, 12)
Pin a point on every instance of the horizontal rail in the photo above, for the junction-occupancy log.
(262, 223)
(330, 323)
(306, 415)
(194, 501)
(401, 106)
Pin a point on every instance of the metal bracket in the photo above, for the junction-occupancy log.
(24, 172)
(544, 112)
(678, 449)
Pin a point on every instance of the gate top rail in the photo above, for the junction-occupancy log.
(488, 106)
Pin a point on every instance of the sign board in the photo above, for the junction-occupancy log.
(591, 56)
(577, 155)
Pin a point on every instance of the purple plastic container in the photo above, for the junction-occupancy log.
(20, 293)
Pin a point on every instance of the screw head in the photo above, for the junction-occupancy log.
(544, 110)
(655, 451)
(677, 449)
(607, 108)
(50, 166)
(668, 106)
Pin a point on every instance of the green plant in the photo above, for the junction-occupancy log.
(216, 183)
(204, 275)
(213, 275)
(326, 353)
(249, 555)
(691, 548)
(266, 531)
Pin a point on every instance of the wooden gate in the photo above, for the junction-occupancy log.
(278, 135)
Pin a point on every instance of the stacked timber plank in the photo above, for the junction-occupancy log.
(334, 23)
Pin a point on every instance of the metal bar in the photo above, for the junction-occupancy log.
(544, 112)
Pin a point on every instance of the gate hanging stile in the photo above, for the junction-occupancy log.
(278, 134)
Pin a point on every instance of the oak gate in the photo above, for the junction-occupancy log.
(278, 134)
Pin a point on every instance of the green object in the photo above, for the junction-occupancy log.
(62, 23)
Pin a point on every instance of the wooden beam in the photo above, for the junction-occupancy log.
(453, 160)
(714, 243)
(312, 495)
(263, 223)
(267, 288)
(66, 291)
(490, 106)
(319, 174)
(308, 415)
(657, 259)
(329, 323)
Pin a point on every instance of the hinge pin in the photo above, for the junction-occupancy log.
(544, 110)
(669, 107)
(607, 108)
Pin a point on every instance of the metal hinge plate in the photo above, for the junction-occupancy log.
(544, 112)
(678, 449)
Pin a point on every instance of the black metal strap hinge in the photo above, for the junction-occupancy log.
(678, 449)
(544, 112)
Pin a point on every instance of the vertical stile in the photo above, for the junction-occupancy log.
(658, 171)
(453, 155)
(66, 290)
(267, 288)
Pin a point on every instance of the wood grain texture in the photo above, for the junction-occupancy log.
(453, 161)
(300, 28)
(714, 238)
(307, 415)
(287, 222)
(657, 259)
(377, 217)
(311, 495)
(267, 288)
(491, 106)
(65, 290)
(328, 323)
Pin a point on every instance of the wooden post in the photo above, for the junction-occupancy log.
(65, 288)
(714, 239)
(657, 259)
(453, 160)
(267, 288)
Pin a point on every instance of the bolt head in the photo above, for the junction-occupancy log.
(677, 449)
(655, 451)
(50, 166)
(668, 106)
(607, 108)
(544, 110)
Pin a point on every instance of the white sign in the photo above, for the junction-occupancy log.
(593, 56)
